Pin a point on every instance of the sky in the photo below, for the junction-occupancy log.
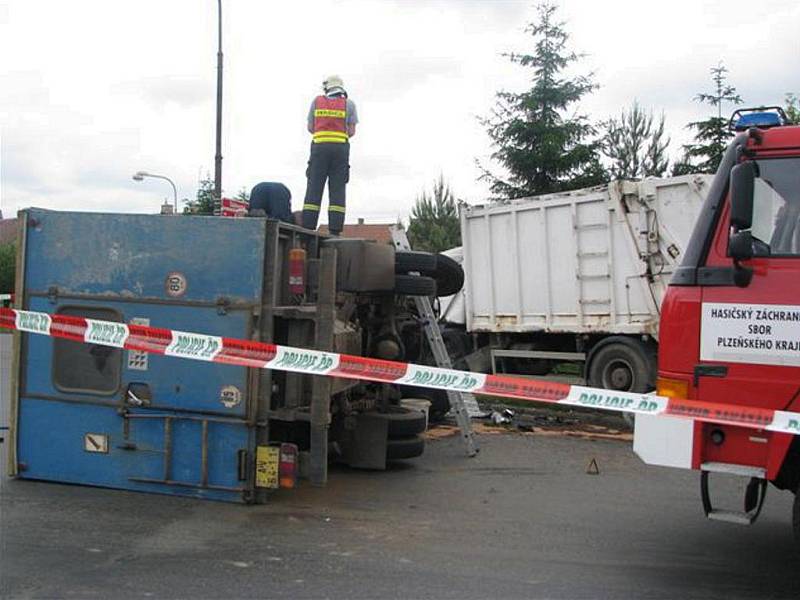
(93, 91)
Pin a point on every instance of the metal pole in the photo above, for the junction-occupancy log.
(218, 155)
(174, 192)
(321, 386)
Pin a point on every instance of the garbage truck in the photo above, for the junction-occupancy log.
(730, 324)
(92, 414)
(575, 277)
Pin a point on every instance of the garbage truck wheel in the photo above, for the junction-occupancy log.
(413, 285)
(405, 447)
(623, 365)
(409, 261)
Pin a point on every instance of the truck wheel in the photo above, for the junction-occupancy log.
(406, 447)
(449, 276)
(413, 285)
(408, 261)
(402, 421)
(440, 402)
(624, 366)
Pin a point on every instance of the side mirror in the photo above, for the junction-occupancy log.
(740, 245)
(742, 184)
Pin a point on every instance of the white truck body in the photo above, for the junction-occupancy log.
(595, 260)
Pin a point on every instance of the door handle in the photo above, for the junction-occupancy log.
(709, 371)
(138, 394)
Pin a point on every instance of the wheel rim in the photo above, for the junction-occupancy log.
(618, 375)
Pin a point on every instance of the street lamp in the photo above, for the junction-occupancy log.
(140, 175)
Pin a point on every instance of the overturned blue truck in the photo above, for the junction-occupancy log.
(95, 415)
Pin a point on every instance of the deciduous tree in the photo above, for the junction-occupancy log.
(792, 108)
(7, 267)
(203, 203)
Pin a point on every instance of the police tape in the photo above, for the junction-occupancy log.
(231, 351)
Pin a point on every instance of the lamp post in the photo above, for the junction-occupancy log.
(140, 175)
(218, 155)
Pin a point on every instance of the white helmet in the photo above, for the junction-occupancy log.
(331, 82)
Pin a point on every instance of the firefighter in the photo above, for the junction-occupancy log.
(273, 200)
(332, 122)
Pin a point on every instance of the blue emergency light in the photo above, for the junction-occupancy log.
(763, 117)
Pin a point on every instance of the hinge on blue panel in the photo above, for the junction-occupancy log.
(222, 305)
(52, 294)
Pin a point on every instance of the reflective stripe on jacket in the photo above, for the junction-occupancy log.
(330, 120)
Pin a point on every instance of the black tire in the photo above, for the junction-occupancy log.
(440, 402)
(402, 421)
(406, 447)
(440, 405)
(408, 261)
(624, 365)
(449, 276)
(413, 285)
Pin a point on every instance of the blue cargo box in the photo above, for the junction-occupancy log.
(74, 422)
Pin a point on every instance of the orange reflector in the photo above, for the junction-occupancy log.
(672, 388)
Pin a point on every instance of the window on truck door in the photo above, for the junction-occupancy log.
(87, 368)
(776, 208)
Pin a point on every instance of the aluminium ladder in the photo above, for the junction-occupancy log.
(462, 405)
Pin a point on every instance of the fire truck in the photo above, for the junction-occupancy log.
(730, 321)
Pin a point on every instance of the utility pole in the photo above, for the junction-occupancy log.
(218, 155)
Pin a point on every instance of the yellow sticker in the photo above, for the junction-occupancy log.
(267, 458)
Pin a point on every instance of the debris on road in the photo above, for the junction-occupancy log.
(586, 432)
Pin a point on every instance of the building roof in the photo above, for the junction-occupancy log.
(8, 230)
(378, 232)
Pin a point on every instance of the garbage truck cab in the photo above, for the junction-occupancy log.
(730, 322)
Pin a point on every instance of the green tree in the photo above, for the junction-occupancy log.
(792, 108)
(712, 135)
(8, 261)
(243, 195)
(542, 147)
(635, 144)
(203, 204)
(434, 222)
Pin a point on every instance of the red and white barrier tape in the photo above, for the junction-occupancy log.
(245, 353)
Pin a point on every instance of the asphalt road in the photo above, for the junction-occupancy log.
(522, 520)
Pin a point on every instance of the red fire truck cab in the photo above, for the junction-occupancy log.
(730, 322)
